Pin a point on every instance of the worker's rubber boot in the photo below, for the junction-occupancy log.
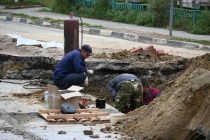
(66, 86)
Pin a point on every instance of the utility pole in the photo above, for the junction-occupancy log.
(171, 17)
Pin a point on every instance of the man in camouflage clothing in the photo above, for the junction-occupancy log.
(126, 91)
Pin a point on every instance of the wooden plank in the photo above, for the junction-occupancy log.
(91, 110)
(105, 121)
(50, 111)
(71, 120)
(51, 120)
(83, 120)
(66, 116)
(94, 119)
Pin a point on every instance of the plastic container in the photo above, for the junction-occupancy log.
(46, 95)
(83, 101)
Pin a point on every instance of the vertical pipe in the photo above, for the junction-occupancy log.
(171, 17)
(71, 34)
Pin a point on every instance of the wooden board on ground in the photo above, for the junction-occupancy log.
(81, 116)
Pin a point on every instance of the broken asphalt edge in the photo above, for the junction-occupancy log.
(108, 33)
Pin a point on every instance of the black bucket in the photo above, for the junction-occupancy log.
(100, 103)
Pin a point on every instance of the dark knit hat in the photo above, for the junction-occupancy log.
(88, 49)
(144, 82)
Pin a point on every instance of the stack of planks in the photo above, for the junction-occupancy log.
(81, 116)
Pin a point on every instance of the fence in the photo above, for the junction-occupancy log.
(183, 13)
(129, 6)
(88, 3)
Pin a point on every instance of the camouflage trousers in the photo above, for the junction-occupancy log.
(130, 95)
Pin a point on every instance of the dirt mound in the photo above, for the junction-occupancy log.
(143, 56)
(181, 111)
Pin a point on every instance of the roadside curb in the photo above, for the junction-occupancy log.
(121, 35)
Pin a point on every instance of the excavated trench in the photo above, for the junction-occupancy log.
(40, 71)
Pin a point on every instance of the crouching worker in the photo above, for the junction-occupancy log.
(71, 69)
(149, 93)
(126, 91)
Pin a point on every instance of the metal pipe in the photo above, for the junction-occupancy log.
(71, 34)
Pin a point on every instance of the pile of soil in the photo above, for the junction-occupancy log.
(181, 111)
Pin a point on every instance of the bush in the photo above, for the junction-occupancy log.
(145, 19)
(120, 16)
(20, 2)
(49, 3)
(202, 25)
(131, 16)
(61, 6)
(100, 9)
(110, 14)
(160, 12)
(182, 23)
(85, 12)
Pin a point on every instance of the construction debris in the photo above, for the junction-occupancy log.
(88, 132)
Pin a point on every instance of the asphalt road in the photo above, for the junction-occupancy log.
(107, 24)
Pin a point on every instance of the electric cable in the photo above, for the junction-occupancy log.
(3, 81)
(81, 31)
(36, 84)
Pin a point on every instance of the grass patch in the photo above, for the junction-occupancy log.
(204, 42)
(52, 20)
(45, 10)
(92, 26)
(25, 16)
